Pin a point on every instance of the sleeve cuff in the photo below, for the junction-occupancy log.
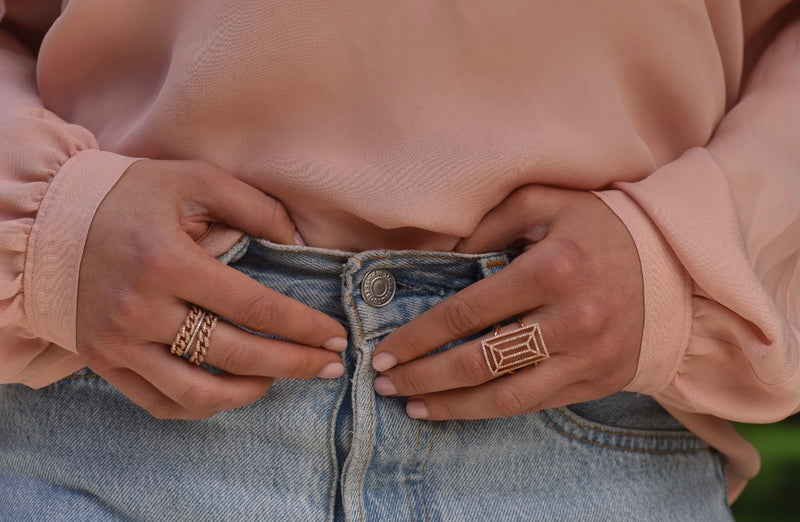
(667, 298)
(58, 237)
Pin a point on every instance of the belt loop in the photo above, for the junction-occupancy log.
(493, 264)
(237, 251)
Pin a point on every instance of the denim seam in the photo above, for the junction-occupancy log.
(361, 335)
(622, 432)
(332, 448)
(348, 290)
(408, 473)
(424, 465)
(370, 444)
(622, 448)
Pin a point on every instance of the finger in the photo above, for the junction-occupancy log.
(515, 394)
(462, 366)
(196, 277)
(190, 386)
(241, 353)
(525, 216)
(147, 396)
(243, 206)
(528, 282)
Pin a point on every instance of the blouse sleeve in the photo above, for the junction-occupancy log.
(717, 231)
(53, 178)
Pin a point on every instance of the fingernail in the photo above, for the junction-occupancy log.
(384, 386)
(416, 409)
(384, 361)
(298, 239)
(336, 344)
(332, 371)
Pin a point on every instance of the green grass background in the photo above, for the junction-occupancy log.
(774, 494)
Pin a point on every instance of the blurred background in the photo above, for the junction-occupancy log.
(774, 495)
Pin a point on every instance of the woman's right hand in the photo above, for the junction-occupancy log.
(142, 270)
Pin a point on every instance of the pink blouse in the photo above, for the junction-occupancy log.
(401, 124)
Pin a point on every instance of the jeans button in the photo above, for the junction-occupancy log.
(377, 287)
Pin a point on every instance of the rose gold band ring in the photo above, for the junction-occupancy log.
(194, 335)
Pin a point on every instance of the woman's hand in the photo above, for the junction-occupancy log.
(579, 277)
(142, 271)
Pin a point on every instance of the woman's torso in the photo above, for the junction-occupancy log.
(395, 124)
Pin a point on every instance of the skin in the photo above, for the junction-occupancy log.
(142, 269)
(579, 277)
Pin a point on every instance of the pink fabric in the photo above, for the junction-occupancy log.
(401, 124)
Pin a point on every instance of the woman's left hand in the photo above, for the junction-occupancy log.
(579, 278)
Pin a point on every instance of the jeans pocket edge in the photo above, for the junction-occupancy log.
(575, 427)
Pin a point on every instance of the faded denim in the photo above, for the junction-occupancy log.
(333, 449)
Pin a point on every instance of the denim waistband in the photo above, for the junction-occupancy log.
(333, 449)
(415, 274)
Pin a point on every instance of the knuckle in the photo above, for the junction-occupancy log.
(236, 358)
(472, 368)
(412, 383)
(257, 310)
(509, 400)
(303, 367)
(563, 265)
(198, 398)
(461, 317)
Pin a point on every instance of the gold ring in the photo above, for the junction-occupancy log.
(513, 350)
(187, 331)
(194, 335)
(203, 338)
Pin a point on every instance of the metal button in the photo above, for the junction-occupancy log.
(377, 287)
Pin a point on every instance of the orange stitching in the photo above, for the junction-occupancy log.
(81, 376)
(358, 318)
(623, 448)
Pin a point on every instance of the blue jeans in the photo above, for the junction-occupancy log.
(333, 449)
